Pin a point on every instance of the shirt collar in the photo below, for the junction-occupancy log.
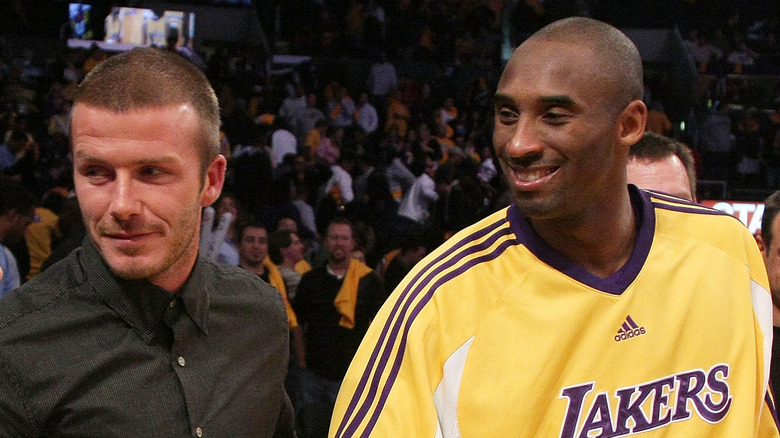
(140, 303)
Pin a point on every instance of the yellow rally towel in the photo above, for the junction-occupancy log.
(346, 299)
(302, 267)
(276, 280)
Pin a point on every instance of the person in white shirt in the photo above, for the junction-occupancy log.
(341, 181)
(283, 142)
(417, 204)
(292, 105)
(365, 115)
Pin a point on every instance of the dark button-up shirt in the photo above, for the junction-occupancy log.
(84, 353)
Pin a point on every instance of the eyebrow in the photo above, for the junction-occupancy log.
(557, 100)
(94, 159)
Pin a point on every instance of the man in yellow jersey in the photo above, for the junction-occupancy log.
(587, 308)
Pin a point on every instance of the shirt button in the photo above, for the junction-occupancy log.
(199, 432)
(172, 304)
(181, 361)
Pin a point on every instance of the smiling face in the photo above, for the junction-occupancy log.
(140, 187)
(253, 247)
(339, 242)
(560, 132)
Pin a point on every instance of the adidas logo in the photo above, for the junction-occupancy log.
(629, 330)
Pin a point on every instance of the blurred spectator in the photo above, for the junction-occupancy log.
(417, 204)
(286, 250)
(412, 250)
(17, 208)
(283, 142)
(44, 230)
(341, 107)
(293, 105)
(397, 115)
(228, 251)
(365, 115)
(329, 149)
(717, 143)
(308, 118)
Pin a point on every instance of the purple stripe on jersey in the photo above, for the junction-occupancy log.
(625, 327)
(389, 334)
(417, 309)
(690, 209)
(631, 321)
(772, 408)
(670, 198)
(614, 284)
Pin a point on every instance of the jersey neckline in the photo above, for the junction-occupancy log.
(614, 284)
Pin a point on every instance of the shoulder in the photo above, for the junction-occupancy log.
(703, 229)
(230, 285)
(43, 294)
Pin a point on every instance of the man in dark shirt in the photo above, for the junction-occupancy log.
(134, 334)
(334, 304)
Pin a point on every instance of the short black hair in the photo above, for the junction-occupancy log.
(771, 208)
(276, 242)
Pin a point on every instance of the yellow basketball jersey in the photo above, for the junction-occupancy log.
(494, 334)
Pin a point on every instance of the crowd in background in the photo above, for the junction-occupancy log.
(390, 122)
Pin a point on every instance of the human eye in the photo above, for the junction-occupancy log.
(95, 174)
(506, 116)
(154, 173)
(556, 117)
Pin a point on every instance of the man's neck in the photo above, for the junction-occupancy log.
(601, 243)
(339, 267)
(289, 263)
(255, 268)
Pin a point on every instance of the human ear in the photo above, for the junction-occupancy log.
(214, 180)
(633, 119)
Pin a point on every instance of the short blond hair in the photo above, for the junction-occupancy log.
(153, 78)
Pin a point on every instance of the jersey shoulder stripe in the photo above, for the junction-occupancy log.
(479, 243)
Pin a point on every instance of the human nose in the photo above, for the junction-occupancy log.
(124, 203)
(525, 140)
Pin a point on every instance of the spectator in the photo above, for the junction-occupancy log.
(718, 143)
(341, 107)
(418, 202)
(365, 115)
(17, 209)
(228, 204)
(44, 230)
(659, 163)
(412, 250)
(335, 304)
(382, 79)
(293, 105)
(309, 118)
(283, 142)
(329, 149)
(286, 251)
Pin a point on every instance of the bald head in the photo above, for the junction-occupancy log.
(615, 55)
